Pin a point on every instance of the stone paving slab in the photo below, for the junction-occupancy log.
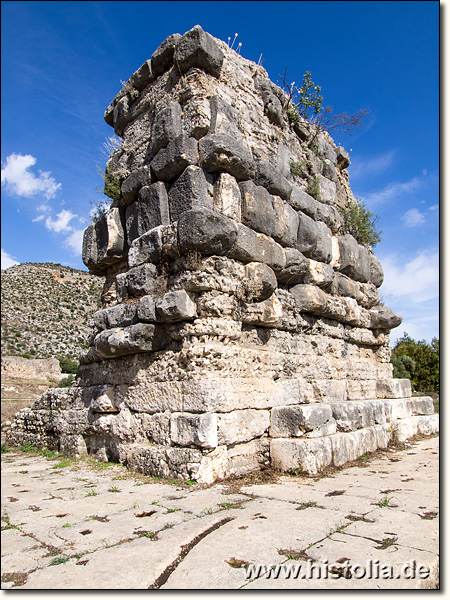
(79, 525)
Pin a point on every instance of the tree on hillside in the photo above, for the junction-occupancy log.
(418, 361)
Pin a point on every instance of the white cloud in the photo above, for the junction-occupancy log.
(7, 260)
(413, 217)
(392, 192)
(434, 207)
(62, 221)
(37, 219)
(361, 167)
(17, 177)
(416, 279)
(75, 241)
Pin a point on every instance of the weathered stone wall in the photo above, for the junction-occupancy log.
(31, 368)
(240, 327)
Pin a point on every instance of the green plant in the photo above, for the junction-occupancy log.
(168, 525)
(5, 448)
(67, 525)
(91, 492)
(59, 560)
(384, 502)
(114, 488)
(425, 356)
(68, 365)
(66, 382)
(360, 223)
(313, 188)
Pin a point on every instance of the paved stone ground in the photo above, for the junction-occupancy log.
(75, 525)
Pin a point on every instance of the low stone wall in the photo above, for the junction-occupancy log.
(31, 368)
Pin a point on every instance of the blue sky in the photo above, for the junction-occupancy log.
(63, 62)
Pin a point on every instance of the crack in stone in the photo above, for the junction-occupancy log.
(161, 580)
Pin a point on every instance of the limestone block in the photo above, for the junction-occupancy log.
(355, 259)
(328, 170)
(149, 211)
(146, 309)
(162, 57)
(174, 158)
(166, 126)
(103, 400)
(345, 448)
(122, 115)
(283, 165)
(295, 269)
(205, 231)
(132, 184)
(250, 246)
(273, 104)
(222, 152)
(344, 286)
(189, 191)
(129, 340)
(109, 112)
(327, 189)
(397, 408)
(142, 280)
(227, 196)
(156, 243)
(368, 296)
(326, 147)
(187, 429)
(422, 405)
(300, 200)
(260, 281)
(121, 315)
(342, 158)
(267, 176)
(156, 427)
(143, 76)
(248, 457)
(393, 388)
(100, 319)
(196, 117)
(361, 390)
(409, 427)
(314, 239)
(286, 223)
(351, 416)
(242, 425)
(196, 48)
(214, 466)
(318, 273)
(224, 118)
(312, 420)
(175, 306)
(329, 390)
(257, 208)
(383, 317)
(267, 313)
(103, 242)
(309, 298)
(307, 455)
(376, 271)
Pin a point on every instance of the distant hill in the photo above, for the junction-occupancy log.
(46, 310)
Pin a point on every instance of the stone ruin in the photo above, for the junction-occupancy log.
(240, 328)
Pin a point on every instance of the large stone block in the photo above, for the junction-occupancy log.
(132, 184)
(162, 57)
(175, 306)
(122, 115)
(383, 317)
(189, 191)
(196, 117)
(308, 456)
(187, 429)
(174, 158)
(314, 239)
(295, 268)
(422, 405)
(272, 99)
(214, 466)
(318, 273)
(166, 126)
(345, 448)
(142, 280)
(268, 176)
(104, 242)
(196, 48)
(393, 388)
(267, 313)
(247, 457)
(260, 282)
(313, 420)
(309, 299)
(327, 189)
(205, 231)
(222, 152)
(141, 337)
(121, 315)
(150, 210)
(146, 309)
(242, 425)
(224, 118)
(355, 259)
(250, 246)
(376, 271)
(160, 242)
(257, 208)
(143, 76)
(227, 196)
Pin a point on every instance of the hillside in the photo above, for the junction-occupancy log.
(46, 309)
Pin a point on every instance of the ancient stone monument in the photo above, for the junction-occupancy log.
(240, 327)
